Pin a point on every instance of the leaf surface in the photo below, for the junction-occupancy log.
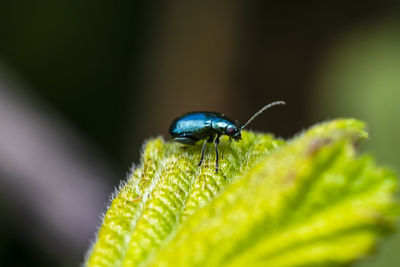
(308, 202)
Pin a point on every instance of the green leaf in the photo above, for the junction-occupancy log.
(309, 202)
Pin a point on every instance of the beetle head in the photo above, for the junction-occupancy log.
(233, 131)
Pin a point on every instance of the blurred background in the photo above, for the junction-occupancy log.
(84, 83)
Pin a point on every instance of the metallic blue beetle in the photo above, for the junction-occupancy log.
(192, 127)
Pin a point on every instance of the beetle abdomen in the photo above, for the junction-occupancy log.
(194, 125)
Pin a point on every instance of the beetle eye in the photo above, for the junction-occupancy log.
(230, 130)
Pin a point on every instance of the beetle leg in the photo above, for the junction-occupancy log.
(202, 152)
(209, 140)
(216, 142)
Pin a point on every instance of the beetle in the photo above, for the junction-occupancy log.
(192, 127)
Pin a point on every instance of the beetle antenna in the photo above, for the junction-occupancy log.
(261, 111)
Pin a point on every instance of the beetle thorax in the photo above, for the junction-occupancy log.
(219, 125)
(224, 126)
